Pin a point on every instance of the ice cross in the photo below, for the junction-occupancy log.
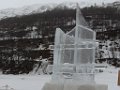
(74, 53)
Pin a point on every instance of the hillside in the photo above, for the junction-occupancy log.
(48, 21)
(25, 38)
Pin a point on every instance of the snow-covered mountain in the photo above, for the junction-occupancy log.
(11, 12)
(37, 8)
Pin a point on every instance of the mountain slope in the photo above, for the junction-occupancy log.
(37, 8)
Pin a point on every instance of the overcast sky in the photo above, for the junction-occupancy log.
(20, 3)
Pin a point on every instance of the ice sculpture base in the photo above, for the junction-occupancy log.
(72, 86)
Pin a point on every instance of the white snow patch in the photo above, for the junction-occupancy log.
(36, 82)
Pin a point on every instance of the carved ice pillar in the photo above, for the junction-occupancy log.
(84, 54)
(74, 55)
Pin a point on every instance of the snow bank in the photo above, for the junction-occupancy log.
(35, 82)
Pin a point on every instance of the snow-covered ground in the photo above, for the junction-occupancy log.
(23, 82)
(36, 82)
(108, 77)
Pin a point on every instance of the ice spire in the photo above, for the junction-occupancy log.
(79, 17)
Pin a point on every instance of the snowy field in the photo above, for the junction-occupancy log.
(108, 77)
(36, 82)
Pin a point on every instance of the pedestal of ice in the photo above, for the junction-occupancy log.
(72, 86)
(74, 56)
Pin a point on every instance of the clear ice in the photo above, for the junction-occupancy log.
(74, 53)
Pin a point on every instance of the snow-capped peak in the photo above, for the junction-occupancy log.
(36, 8)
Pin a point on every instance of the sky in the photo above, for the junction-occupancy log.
(4, 4)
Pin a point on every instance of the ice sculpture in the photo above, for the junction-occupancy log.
(74, 53)
(74, 56)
